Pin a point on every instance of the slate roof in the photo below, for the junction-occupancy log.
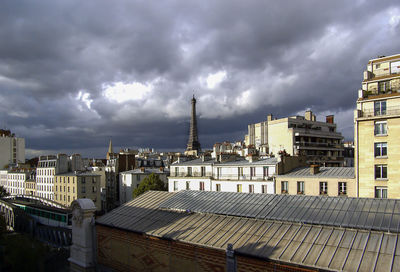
(328, 172)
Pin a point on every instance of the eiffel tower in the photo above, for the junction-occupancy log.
(193, 146)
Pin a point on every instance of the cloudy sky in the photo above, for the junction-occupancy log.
(74, 74)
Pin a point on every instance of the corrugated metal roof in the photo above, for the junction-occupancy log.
(360, 213)
(319, 246)
(329, 172)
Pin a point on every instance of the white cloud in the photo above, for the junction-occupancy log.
(213, 80)
(85, 98)
(122, 92)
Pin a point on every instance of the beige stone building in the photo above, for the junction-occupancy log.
(299, 135)
(74, 185)
(314, 181)
(377, 129)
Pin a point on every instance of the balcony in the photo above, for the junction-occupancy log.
(317, 133)
(373, 113)
(194, 174)
(315, 145)
(243, 177)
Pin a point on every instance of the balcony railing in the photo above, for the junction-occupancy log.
(308, 131)
(241, 177)
(321, 145)
(194, 174)
(374, 113)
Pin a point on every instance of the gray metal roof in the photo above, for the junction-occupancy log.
(269, 161)
(328, 172)
(146, 171)
(360, 213)
(318, 246)
(194, 162)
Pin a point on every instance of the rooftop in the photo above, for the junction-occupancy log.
(329, 233)
(146, 171)
(239, 162)
(327, 172)
(78, 174)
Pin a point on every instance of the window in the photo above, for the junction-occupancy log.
(342, 188)
(240, 172)
(187, 185)
(83, 189)
(381, 171)
(83, 179)
(265, 171)
(381, 128)
(300, 187)
(218, 187)
(379, 108)
(203, 171)
(175, 185)
(137, 177)
(383, 86)
(189, 171)
(284, 187)
(94, 189)
(252, 171)
(176, 171)
(380, 149)
(380, 192)
(68, 189)
(323, 188)
(251, 188)
(239, 188)
(201, 185)
(69, 199)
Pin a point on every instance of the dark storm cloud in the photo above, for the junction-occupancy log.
(60, 60)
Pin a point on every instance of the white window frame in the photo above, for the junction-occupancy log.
(380, 174)
(381, 190)
(382, 148)
(382, 128)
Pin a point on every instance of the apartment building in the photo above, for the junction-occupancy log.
(116, 163)
(74, 185)
(299, 135)
(48, 167)
(228, 175)
(130, 180)
(318, 181)
(16, 182)
(377, 129)
(12, 149)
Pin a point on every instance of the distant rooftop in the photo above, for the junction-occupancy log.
(328, 172)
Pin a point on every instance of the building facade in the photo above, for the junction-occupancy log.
(298, 135)
(16, 182)
(74, 185)
(12, 149)
(130, 180)
(48, 167)
(247, 176)
(318, 181)
(377, 129)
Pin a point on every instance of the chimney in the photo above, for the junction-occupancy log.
(314, 169)
(161, 169)
(330, 119)
(269, 117)
(308, 115)
(142, 169)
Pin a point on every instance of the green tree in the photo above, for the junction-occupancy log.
(3, 192)
(151, 182)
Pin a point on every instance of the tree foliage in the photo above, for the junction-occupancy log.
(3, 191)
(151, 182)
